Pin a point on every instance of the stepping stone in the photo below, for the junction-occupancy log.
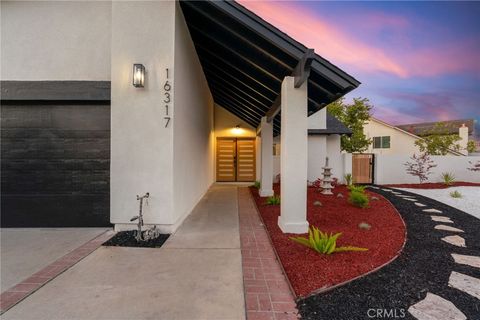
(397, 193)
(387, 190)
(420, 204)
(435, 307)
(410, 199)
(455, 240)
(465, 283)
(447, 228)
(432, 210)
(472, 261)
(374, 187)
(441, 219)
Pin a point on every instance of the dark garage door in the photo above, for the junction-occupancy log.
(55, 160)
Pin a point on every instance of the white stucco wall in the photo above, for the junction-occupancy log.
(56, 40)
(319, 147)
(318, 120)
(390, 169)
(193, 140)
(141, 146)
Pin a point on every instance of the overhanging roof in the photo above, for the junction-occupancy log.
(245, 59)
(334, 126)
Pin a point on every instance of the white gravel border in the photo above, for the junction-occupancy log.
(470, 201)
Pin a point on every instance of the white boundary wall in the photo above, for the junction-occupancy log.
(390, 169)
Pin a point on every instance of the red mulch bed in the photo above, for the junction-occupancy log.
(309, 271)
(432, 185)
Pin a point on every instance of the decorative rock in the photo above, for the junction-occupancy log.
(465, 283)
(441, 219)
(435, 307)
(317, 204)
(408, 199)
(472, 261)
(432, 210)
(339, 195)
(387, 190)
(420, 204)
(455, 240)
(374, 198)
(364, 226)
(397, 193)
(374, 187)
(447, 228)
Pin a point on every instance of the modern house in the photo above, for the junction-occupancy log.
(388, 139)
(102, 101)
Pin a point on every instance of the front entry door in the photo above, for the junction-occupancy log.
(235, 159)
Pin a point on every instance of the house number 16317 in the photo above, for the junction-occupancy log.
(167, 87)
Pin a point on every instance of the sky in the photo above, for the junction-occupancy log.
(417, 61)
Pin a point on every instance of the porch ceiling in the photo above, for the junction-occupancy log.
(245, 59)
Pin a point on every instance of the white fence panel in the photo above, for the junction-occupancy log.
(391, 169)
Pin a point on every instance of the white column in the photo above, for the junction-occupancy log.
(294, 158)
(266, 182)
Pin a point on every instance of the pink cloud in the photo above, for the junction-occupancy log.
(402, 60)
(326, 39)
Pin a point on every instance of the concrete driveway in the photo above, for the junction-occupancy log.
(197, 274)
(24, 251)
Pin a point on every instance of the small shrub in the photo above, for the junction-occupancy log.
(348, 179)
(455, 194)
(357, 188)
(273, 200)
(323, 242)
(448, 178)
(421, 166)
(358, 199)
(257, 184)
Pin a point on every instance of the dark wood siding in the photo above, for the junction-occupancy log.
(55, 164)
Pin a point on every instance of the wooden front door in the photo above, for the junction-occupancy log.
(362, 168)
(235, 159)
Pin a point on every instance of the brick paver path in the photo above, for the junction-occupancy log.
(267, 293)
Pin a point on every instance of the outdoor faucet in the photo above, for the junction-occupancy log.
(138, 235)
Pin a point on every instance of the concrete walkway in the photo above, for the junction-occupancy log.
(25, 251)
(197, 274)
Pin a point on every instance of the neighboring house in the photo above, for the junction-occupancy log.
(465, 128)
(391, 140)
(82, 133)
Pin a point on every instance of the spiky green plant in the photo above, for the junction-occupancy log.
(455, 194)
(448, 178)
(273, 200)
(348, 178)
(356, 188)
(358, 199)
(323, 242)
(257, 184)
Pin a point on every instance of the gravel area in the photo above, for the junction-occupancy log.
(469, 202)
(424, 266)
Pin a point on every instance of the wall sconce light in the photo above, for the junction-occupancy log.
(138, 75)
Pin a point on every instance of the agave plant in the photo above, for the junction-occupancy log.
(448, 178)
(323, 242)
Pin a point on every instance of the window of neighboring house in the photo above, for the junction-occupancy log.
(381, 142)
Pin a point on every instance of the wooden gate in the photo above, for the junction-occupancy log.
(362, 168)
(235, 159)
